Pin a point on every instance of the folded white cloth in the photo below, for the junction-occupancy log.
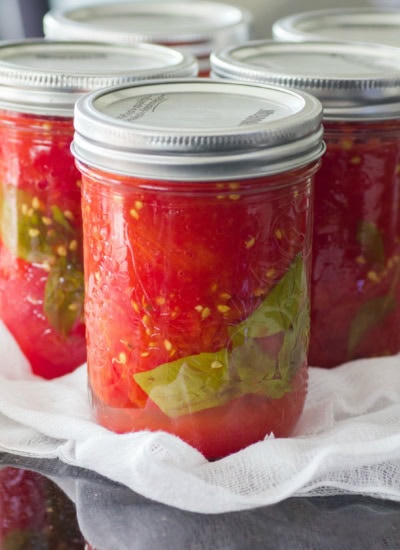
(347, 441)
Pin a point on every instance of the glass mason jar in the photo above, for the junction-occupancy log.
(41, 279)
(197, 227)
(355, 295)
(362, 24)
(195, 27)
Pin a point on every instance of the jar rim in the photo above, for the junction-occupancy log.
(197, 27)
(353, 81)
(196, 129)
(46, 77)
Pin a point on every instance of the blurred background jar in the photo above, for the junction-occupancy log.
(41, 279)
(355, 294)
(197, 231)
(369, 24)
(264, 13)
(194, 27)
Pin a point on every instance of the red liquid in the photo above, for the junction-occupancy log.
(355, 301)
(41, 278)
(197, 305)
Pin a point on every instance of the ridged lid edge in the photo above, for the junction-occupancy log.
(341, 95)
(195, 153)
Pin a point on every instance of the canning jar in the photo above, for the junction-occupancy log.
(355, 295)
(362, 24)
(195, 27)
(41, 280)
(197, 226)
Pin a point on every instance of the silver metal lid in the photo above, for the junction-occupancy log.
(47, 77)
(197, 27)
(197, 130)
(353, 81)
(379, 25)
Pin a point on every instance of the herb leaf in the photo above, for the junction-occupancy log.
(42, 235)
(370, 314)
(279, 308)
(206, 380)
(371, 242)
(191, 384)
(63, 297)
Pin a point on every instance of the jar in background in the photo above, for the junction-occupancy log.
(194, 27)
(355, 294)
(196, 253)
(380, 25)
(41, 279)
(35, 512)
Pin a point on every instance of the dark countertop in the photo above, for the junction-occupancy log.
(62, 507)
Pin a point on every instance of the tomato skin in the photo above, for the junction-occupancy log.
(39, 182)
(171, 270)
(355, 300)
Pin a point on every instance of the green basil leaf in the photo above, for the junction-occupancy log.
(371, 242)
(43, 236)
(60, 219)
(29, 230)
(369, 315)
(257, 372)
(63, 297)
(187, 385)
(21, 227)
(207, 380)
(279, 308)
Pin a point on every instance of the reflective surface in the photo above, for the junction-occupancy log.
(83, 508)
